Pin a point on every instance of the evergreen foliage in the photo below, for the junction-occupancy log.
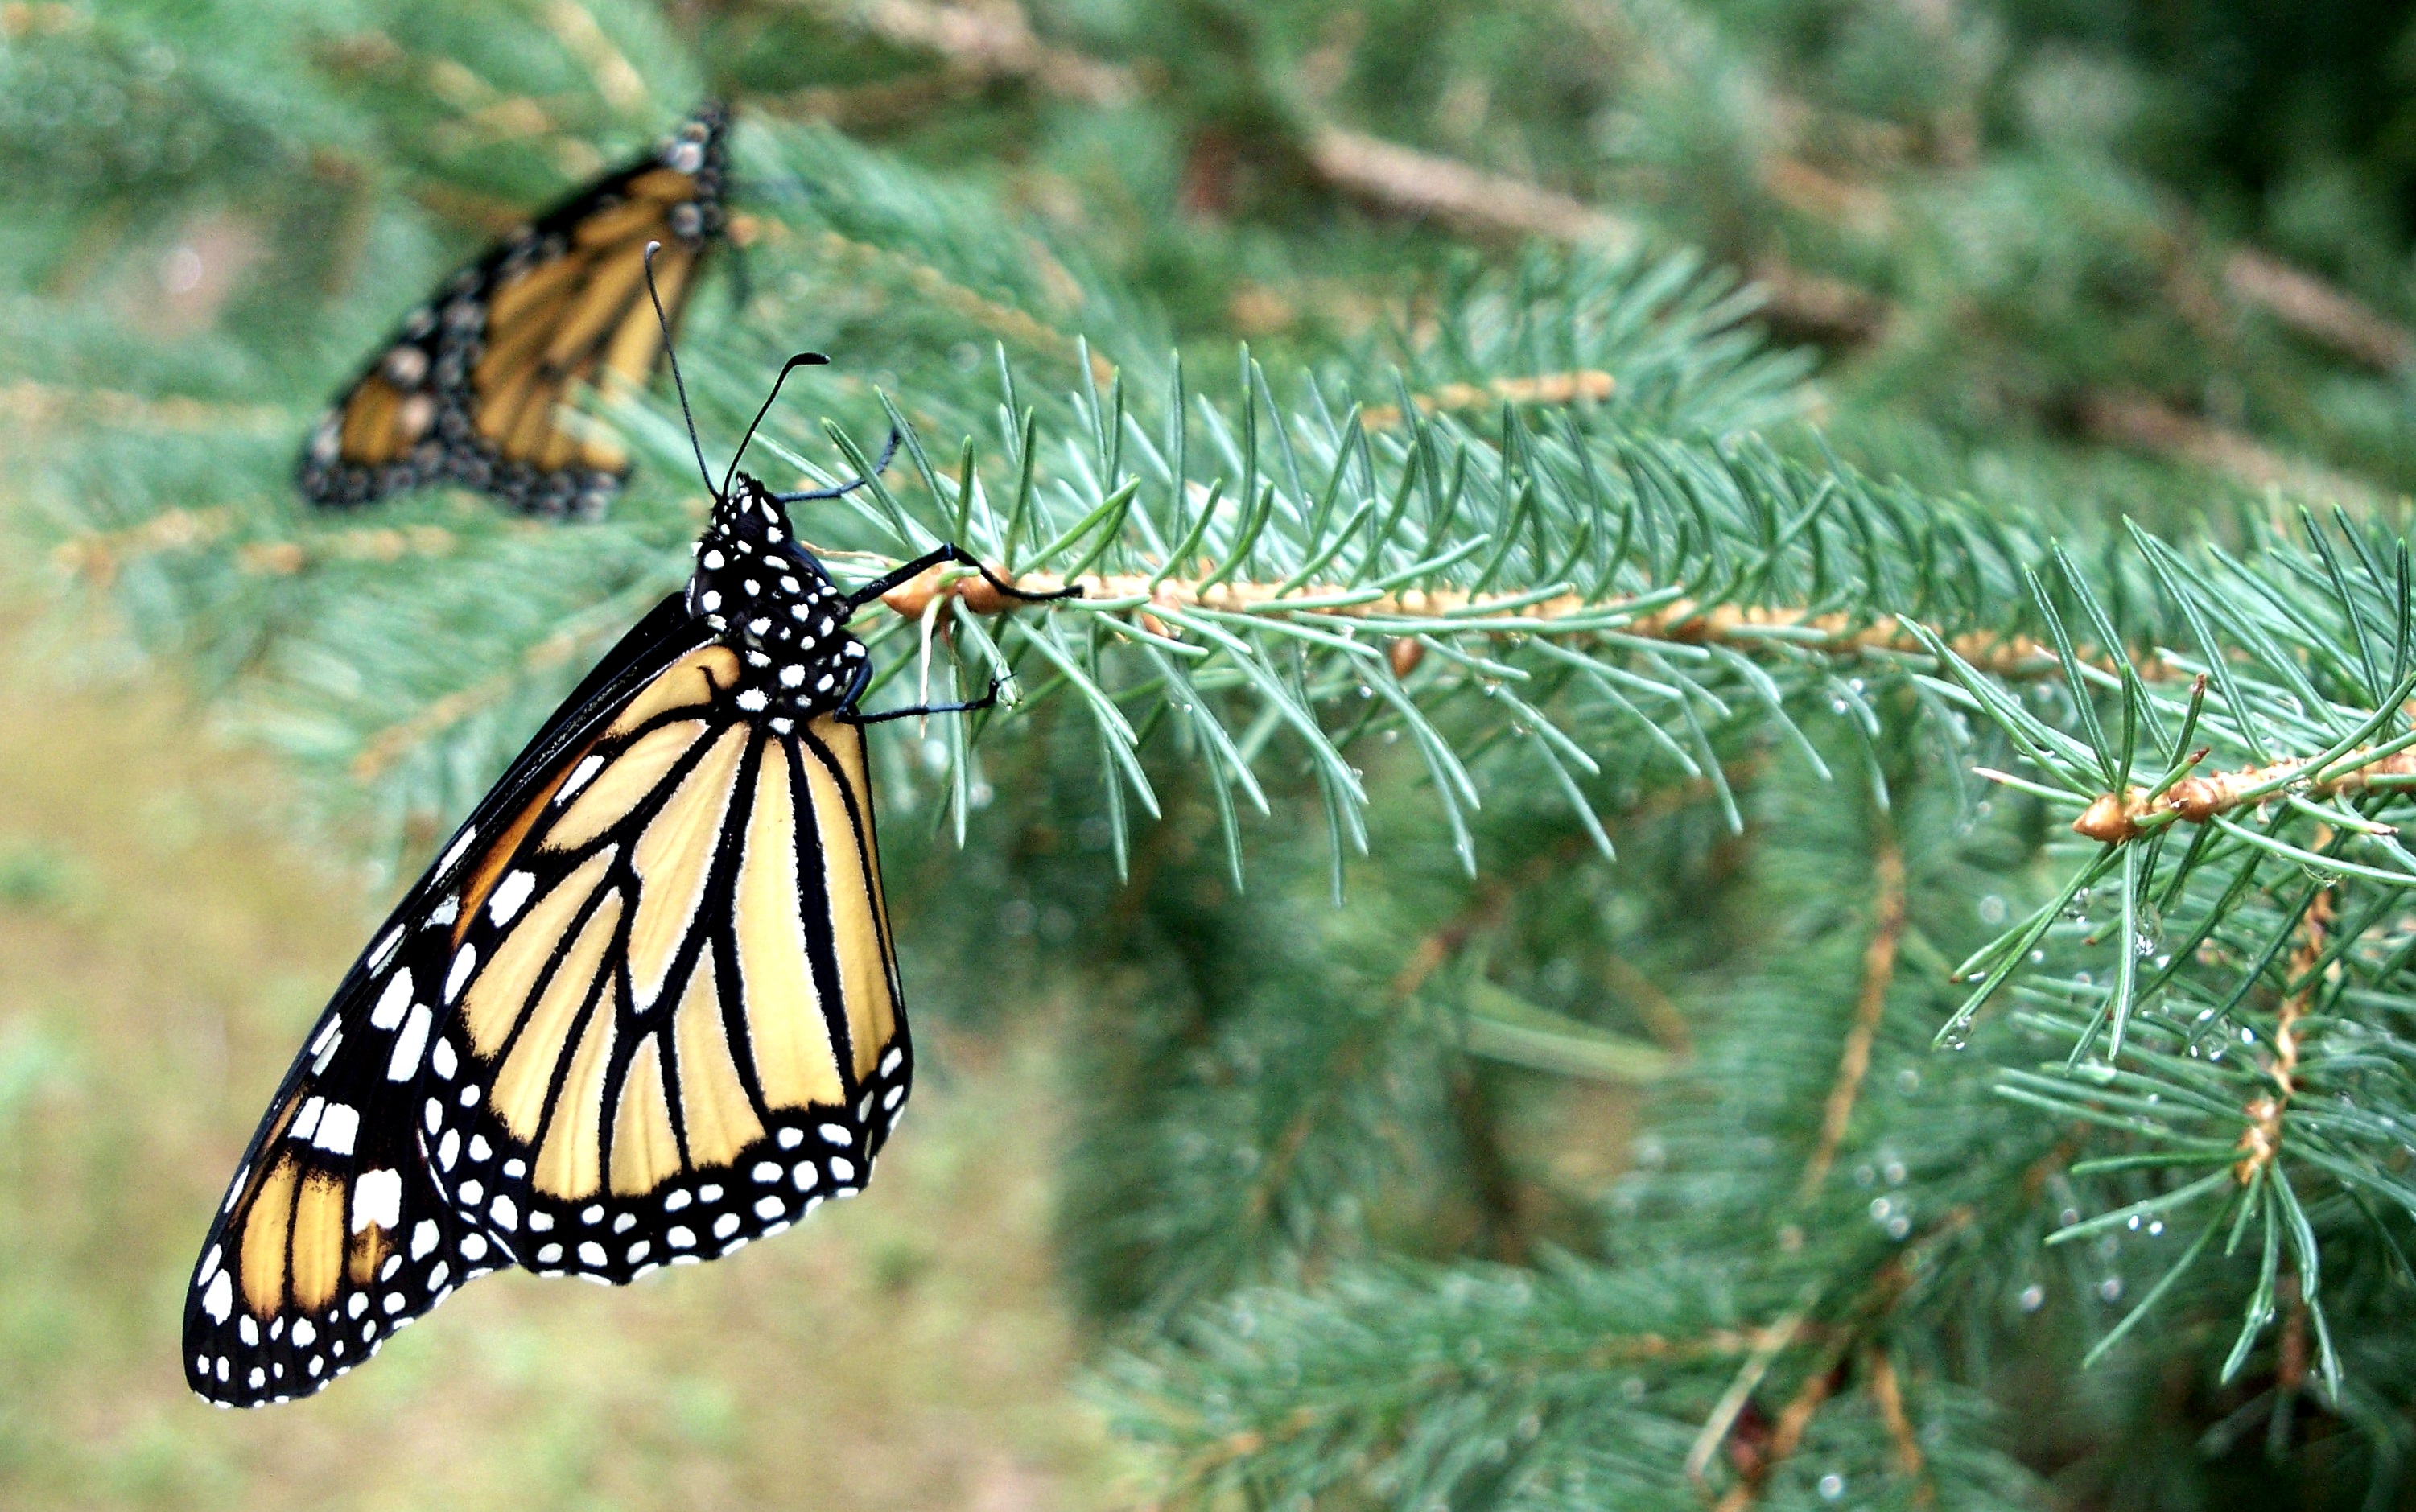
(1650, 928)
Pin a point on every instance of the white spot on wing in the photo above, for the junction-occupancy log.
(453, 853)
(509, 894)
(307, 1123)
(338, 1127)
(385, 951)
(405, 1064)
(463, 964)
(578, 777)
(217, 1300)
(377, 1197)
(393, 1001)
(423, 1238)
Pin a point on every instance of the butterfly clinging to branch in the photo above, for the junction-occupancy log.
(478, 385)
(642, 1010)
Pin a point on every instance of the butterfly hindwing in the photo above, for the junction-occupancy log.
(673, 978)
(482, 385)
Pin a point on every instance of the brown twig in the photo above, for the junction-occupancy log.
(1680, 622)
(993, 43)
(278, 558)
(97, 556)
(1889, 1395)
(1785, 1439)
(2315, 309)
(1582, 385)
(1878, 970)
(45, 404)
(2116, 820)
(2262, 1138)
(1432, 188)
(2127, 418)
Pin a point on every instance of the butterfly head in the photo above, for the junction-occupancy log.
(770, 601)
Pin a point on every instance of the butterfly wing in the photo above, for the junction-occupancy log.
(332, 1234)
(480, 385)
(674, 984)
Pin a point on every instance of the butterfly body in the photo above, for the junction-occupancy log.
(471, 386)
(642, 1010)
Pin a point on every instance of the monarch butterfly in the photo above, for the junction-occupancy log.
(471, 388)
(642, 1010)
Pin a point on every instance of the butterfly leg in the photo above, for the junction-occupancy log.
(988, 700)
(943, 556)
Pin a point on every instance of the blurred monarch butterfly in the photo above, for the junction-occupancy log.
(642, 1010)
(473, 386)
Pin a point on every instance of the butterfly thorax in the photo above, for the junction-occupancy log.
(772, 604)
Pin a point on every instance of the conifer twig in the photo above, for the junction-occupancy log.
(2117, 820)
(2262, 1138)
(39, 403)
(1679, 622)
(1889, 1394)
(1878, 970)
(2315, 309)
(1432, 188)
(1786, 1437)
(2129, 419)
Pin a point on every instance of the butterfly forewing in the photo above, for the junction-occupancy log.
(673, 979)
(332, 1236)
(489, 384)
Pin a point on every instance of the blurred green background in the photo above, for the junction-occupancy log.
(2078, 259)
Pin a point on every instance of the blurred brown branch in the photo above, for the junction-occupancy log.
(2317, 310)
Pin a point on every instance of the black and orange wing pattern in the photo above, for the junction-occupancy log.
(482, 385)
(673, 977)
(332, 1236)
(645, 1009)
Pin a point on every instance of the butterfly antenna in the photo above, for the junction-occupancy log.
(677, 382)
(803, 359)
(880, 467)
